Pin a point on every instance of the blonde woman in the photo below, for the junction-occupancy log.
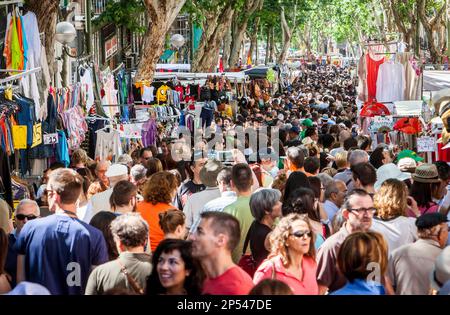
(292, 256)
(391, 202)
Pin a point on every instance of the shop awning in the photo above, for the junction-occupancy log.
(173, 66)
(239, 76)
(435, 80)
(408, 108)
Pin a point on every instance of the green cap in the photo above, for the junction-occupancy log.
(307, 122)
(409, 153)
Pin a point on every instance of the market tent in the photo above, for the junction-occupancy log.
(408, 108)
(434, 80)
(259, 72)
(173, 66)
(239, 76)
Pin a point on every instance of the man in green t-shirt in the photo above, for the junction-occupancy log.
(241, 183)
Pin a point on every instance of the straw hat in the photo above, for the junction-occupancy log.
(426, 173)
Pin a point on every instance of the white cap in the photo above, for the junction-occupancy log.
(406, 164)
(117, 170)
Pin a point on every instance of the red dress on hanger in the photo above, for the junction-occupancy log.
(372, 75)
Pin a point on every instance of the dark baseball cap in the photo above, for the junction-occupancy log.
(295, 129)
(428, 220)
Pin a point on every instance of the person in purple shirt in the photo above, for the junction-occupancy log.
(59, 251)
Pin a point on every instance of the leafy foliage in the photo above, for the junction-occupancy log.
(122, 13)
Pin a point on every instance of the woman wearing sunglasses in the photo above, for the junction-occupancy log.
(292, 256)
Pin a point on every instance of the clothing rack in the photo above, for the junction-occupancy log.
(11, 2)
(20, 75)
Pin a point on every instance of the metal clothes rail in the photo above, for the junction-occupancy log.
(19, 75)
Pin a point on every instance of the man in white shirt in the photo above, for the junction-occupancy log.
(194, 204)
(228, 196)
(100, 201)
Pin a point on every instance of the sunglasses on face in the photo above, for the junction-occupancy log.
(300, 234)
(22, 217)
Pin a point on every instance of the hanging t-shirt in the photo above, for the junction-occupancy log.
(390, 82)
(161, 93)
(108, 145)
(148, 96)
(19, 134)
(87, 89)
(372, 76)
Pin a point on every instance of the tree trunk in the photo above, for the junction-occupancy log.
(266, 60)
(240, 22)
(287, 36)
(161, 14)
(431, 26)
(46, 13)
(227, 50)
(272, 44)
(205, 59)
(238, 31)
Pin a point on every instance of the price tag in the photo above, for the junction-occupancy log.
(426, 144)
(51, 138)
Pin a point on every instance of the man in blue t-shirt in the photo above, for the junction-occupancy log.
(59, 251)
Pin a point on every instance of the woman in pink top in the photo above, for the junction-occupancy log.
(292, 257)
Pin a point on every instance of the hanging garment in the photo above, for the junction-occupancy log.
(372, 76)
(412, 76)
(149, 133)
(76, 126)
(161, 93)
(108, 145)
(62, 149)
(362, 75)
(87, 89)
(390, 82)
(148, 96)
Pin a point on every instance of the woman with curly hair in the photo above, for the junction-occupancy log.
(159, 191)
(175, 271)
(292, 256)
(391, 202)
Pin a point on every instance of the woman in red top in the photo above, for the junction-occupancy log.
(159, 191)
(292, 257)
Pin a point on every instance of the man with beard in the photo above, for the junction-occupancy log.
(358, 212)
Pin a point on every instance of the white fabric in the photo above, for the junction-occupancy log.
(44, 83)
(87, 88)
(108, 145)
(390, 82)
(195, 203)
(397, 232)
(218, 204)
(148, 94)
(99, 202)
(29, 82)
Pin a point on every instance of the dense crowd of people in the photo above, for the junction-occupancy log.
(317, 210)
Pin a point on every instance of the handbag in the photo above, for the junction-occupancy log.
(247, 263)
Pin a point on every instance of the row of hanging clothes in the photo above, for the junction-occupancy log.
(388, 76)
(23, 50)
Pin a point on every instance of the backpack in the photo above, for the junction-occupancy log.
(205, 94)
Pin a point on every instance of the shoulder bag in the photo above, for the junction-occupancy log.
(247, 263)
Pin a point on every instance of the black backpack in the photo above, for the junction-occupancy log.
(205, 94)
